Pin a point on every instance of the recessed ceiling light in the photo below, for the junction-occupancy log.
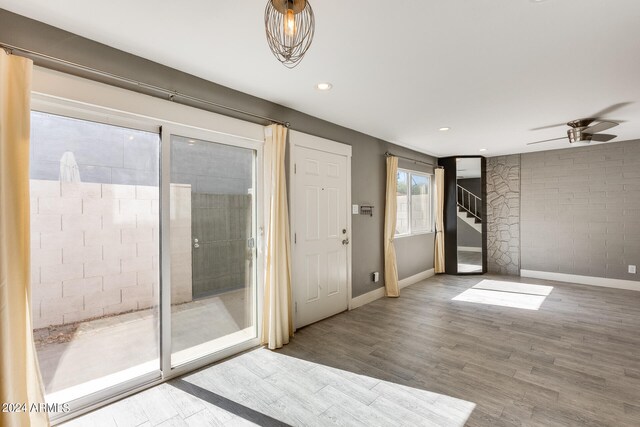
(444, 129)
(324, 86)
(131, 138)
(537, 1)
(483, 149)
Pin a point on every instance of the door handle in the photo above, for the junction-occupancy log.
(345, 241)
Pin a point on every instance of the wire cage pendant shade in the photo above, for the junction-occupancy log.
(289, 26)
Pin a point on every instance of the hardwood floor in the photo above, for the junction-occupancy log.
(573, 361)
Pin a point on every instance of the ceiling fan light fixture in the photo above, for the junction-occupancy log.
(583, 130)
(576, 135)
(289, 26)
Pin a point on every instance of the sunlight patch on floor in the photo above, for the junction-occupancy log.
(305, 392)
(506, 294)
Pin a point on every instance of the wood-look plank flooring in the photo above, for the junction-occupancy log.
(424, 359)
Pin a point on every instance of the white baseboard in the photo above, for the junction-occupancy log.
(469, 249)
(416, 278)
(583, 280)
(364, 299)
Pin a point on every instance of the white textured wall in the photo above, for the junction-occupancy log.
(94, 250)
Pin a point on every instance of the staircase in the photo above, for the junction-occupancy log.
(469, 208)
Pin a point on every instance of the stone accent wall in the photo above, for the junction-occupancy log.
(94, 250)
(503, 214)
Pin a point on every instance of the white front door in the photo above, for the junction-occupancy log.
(320, 205)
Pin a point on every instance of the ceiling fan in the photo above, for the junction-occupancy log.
(585, 130)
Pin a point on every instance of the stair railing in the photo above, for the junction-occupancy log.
(469, 201)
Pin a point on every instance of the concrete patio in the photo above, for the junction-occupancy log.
(74, 354)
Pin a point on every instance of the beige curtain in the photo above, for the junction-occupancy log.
(390, 213)
(19, 374)
(438, 253)
(277, 321)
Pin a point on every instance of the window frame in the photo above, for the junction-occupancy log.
(411, 232)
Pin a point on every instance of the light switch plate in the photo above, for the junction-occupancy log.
(632, 269)
(355, 209)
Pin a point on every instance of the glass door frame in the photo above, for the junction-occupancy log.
(76, 110)
(79, 110)
(169, 371)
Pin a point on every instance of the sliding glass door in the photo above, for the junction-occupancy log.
(212, 244)
(144, 253)
(94, 253)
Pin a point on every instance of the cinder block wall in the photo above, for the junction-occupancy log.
(94, 250)
(418, 211)
(222, 224)
(581, 210)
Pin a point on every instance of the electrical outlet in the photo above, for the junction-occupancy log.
(375, 276)
(632, 269)
(355, 209)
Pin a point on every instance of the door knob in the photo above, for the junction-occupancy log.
(345, 241)
(195, 243)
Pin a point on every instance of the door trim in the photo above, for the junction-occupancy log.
(299, 139)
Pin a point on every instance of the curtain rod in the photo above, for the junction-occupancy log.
(388, 154)
(172, 94)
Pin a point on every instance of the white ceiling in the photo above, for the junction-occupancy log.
(489, 69)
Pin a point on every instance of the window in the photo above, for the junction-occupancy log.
(414, 214)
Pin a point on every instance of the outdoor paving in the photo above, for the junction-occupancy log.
(73, 354)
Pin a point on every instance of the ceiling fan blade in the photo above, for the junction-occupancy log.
(599, 127)
(602, 137)
(549, 126)
(546, 140)
(611, 109)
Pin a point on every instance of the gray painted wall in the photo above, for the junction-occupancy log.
(211, 168)
(471, 184)
(571, 211)
(104, 154)
(503, 214)
(368, 166)
(221, 223)
(581, 210)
